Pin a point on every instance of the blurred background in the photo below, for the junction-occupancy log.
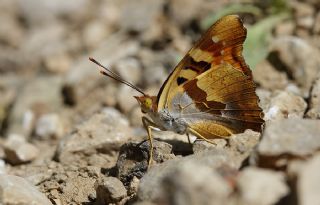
(48, 85)
(45, 47)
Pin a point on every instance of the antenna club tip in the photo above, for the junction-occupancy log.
(91, 59)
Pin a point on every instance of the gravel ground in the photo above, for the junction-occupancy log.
(71, 136)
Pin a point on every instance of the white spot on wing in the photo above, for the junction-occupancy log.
(215, 39)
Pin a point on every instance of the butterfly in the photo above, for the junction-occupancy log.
(210, 93)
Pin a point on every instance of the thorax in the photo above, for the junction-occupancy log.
(166, 120)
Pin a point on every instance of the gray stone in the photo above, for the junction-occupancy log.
(33, 101)
(301, 60)
(239, 146)
(129, 69)
(106, 130)
(16, 190)
(298, 137)
(95, 32)
(142, 16)
(152, 180)
(192, 183)
(261, 186)
(18, 151)
(309, 182)
(125, 98)
(268, 77)
(49, 125)
(134, 157)
(285, 105)
(110, 190)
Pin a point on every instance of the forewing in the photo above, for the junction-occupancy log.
(222, 43)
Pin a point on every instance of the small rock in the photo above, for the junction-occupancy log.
(129, 69)
(314, 101)
(133, 158)
(180, 186)
(285, 138)
(285, 105)
(125, 98)
(259, 186)
(49, 125)
(239, 146)
(264, 97)
(285, 28)
(95, 32)
(59, 62)
(183, 12)
(133, 186)
(300, 59)
(110, 190)
(269, 78)
(152, 180)
(308, 182)
(104, 131)
(16, 190)
(19, 151)
(33, 101)
(154, 71)
(142, 16)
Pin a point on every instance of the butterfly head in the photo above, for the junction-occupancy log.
(148, 103)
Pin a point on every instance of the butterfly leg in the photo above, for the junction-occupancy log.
(149, 125)
(188, 138)
(200, 136)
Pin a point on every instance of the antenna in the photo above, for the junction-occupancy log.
(113, 75)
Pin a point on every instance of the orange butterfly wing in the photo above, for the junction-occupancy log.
(212, 86)
(223, 42)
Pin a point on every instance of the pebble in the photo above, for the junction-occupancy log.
(16, 190)
(261, 186)
(34, 100)
(94, 33)
(179, 186)
(285, 105)
(49, 125)
(110, 190)
(125, 98)
(18, 151)
(301, 60)
(269, 78)
(297, 137)
(129, 69)
(153, 179)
